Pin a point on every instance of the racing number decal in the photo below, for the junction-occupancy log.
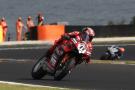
(81, 48)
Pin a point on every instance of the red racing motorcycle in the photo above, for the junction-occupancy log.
(65, 57)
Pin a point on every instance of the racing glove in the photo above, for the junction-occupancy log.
(66, 37)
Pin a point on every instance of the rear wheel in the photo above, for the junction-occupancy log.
(38, 70)
(104, 56)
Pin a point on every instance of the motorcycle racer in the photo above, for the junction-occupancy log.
(86, 35)
(67, 52)
(116, 51)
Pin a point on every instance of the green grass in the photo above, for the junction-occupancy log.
(22, 87)
(130, 62)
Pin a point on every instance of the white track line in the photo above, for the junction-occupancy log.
(30, 85)
(101, 45)
(23, 48)
(16, 60)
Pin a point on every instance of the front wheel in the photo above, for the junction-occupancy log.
(38, 71)
(61, 73)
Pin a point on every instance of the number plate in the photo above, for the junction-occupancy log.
(81, 48)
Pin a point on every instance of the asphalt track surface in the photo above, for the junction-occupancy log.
(85, 76)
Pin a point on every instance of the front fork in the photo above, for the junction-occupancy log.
(64, 61)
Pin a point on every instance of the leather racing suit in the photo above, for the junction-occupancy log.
(67, 36)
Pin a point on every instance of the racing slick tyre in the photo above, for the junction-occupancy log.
(37, 71)
(61, 73)
(104, 56)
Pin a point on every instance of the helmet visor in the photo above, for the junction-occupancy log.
(85, 37)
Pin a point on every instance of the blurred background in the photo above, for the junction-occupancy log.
(75, 12)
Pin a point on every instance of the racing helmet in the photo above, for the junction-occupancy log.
(87, 34)
(122, 50)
